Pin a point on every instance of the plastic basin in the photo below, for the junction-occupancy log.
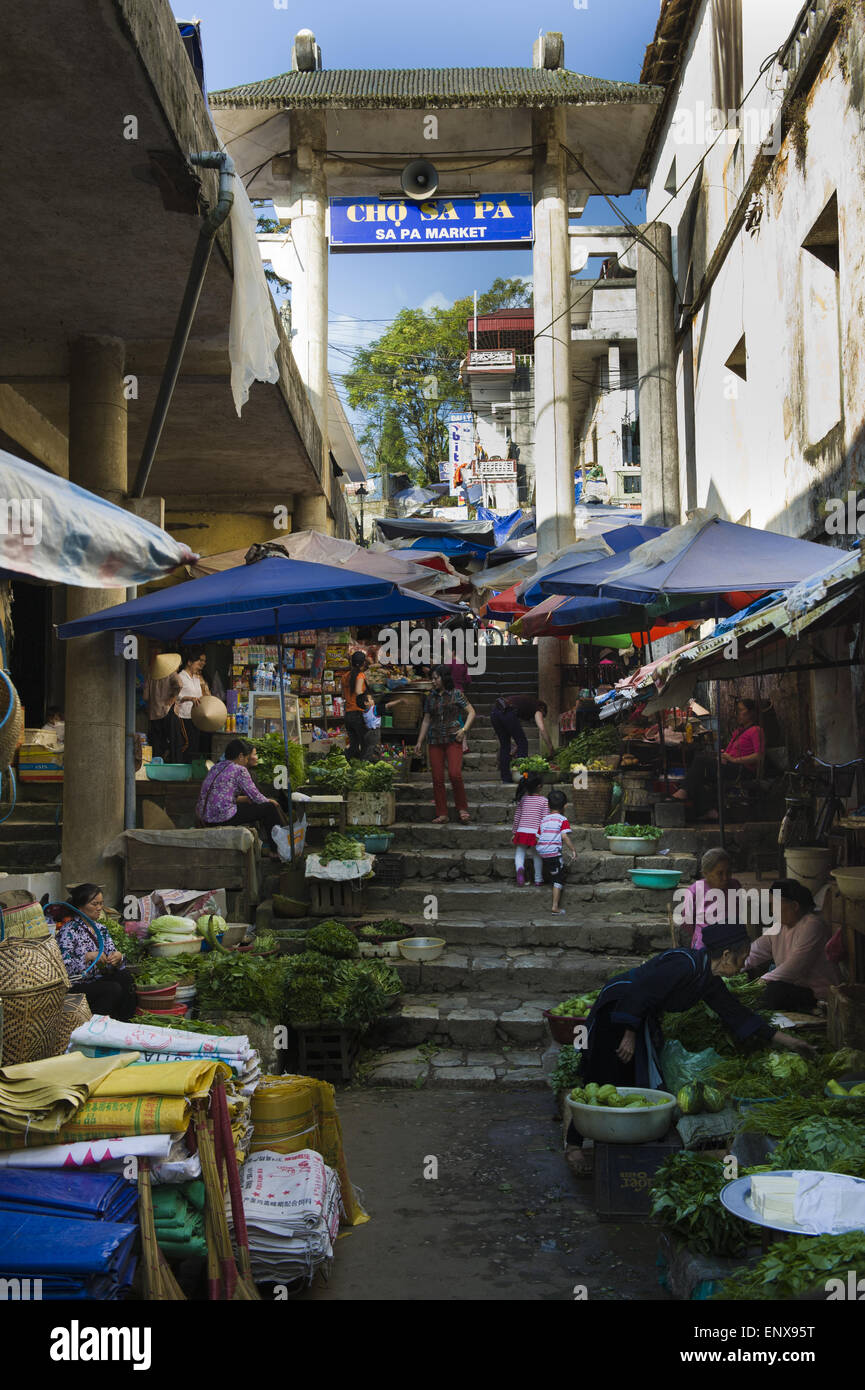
(377, 844)
(851, 882)
(169, 772)
(562, 1027)
(421, 947)
(607, 1125)
(630, 844)
(655, 878)
(185, 946)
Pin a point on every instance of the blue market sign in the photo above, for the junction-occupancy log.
(500, 220)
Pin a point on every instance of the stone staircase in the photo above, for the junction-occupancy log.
(30, 839)
(474, 1017)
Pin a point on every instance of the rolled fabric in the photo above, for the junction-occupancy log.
(87, 1154)
(39, 1097)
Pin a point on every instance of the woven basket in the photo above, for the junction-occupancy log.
(11, 721)
(592, 805)
(74, 1011)
(22, 916)
(33, 986)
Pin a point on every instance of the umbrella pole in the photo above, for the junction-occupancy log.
(284, 731)
(129, 807)
(720, 765)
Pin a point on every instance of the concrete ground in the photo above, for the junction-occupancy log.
(504, 1220)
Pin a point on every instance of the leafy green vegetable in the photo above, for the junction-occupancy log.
(265, 941)
(768, 1074)
(371, 777)
(686, 1202)
(332, 939)
(778, 1118)
(331, 774)
(166, 970)
(185, 1025)
(271, 755)
(797, 1265)
(133, 947)
(243, 984)
(699, 1028)
(535, 763)
(566, 1072)
(633, 832)
(338, 846)
(591, 744)
(351, 992)
(827, 1145)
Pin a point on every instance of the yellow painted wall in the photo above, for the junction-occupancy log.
(213, 532)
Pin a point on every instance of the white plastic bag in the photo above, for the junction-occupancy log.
(282, 839)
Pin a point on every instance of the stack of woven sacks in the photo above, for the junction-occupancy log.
(291, 1205)
(74, 1233)
(178, 1213)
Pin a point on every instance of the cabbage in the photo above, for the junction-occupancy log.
(203, 923)
(172, 926)
(787, 1066)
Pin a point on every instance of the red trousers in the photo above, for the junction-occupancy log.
(452, 753)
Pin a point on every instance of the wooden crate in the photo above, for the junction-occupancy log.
(331, 898)
(327, 1053)
(623, 1176)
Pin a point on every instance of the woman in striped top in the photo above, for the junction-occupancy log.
(531, 807)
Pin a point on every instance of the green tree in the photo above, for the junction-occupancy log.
(383, 444)
(410, 375)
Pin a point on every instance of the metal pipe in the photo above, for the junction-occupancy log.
(129, 808)
(212, 159)
(289, 793)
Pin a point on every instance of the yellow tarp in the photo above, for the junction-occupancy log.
(191, 1077)
(299, 1112)
(38, 1097)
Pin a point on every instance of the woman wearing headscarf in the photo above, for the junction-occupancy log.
(624, 1027)
(110, 988)
(791, 962)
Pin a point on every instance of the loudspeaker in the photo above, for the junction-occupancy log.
(419, 179)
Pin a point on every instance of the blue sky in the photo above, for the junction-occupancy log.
(247, 40)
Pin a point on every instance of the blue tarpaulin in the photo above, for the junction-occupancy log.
(502, 525)
(620, 540)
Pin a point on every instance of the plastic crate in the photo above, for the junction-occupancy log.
(389, 870)
(328, 1054)
(623, 1177)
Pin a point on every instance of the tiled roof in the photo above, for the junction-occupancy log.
(432, 87)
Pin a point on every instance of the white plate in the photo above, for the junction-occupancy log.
(736, 1197)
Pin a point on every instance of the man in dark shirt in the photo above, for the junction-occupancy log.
(508, 715)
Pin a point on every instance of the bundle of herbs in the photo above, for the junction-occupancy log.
(699, 1028)
(326, 989)
(247, 984)
(824, 1144)
(167, 970)
(566, 1073)
(331, 774)
(272, 756)
(339, 846)
(798, 1266)
(686, 1201)
(587, 747)
(756, 1075)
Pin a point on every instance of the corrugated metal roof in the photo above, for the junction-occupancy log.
(431, 87)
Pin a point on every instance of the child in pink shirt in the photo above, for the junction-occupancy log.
(531, 807)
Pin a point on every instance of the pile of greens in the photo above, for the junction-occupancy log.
(331, 774)
(535, 763)
(372, 777)
(699, 1028)
(167, 970)
(566, 1073)
(587, 746)
(765, 1073)
(779, 1117)
(133, 947)
(184, 1025)
(798, 1265)
(389, 929)
(352, 993)
(338, 846)
(246, 984)
(332, 938)
(271, 755)
(633, 832)
(824, 1144)
(686, 1201)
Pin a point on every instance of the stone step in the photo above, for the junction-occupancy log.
(497, 862)
(486, 899)
(589, 933)
(507, 1066)
(14, 830)
(522, 970)
(32, 855)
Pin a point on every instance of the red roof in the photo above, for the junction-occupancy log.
(504, 328)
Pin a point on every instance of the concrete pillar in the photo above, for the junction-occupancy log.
(311, 514)
(554, 434)
(656, 356)
(307, 211)
(95, 713)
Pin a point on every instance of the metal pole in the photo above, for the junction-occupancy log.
(720, 764)
(476, 320)
(129, 809)
(284, 730)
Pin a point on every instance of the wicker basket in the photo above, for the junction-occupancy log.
(11, 721)
(74, 1011)
(592, 805)
(21, 916)
(33, 986)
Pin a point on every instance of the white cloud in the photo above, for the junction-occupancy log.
(436, 300)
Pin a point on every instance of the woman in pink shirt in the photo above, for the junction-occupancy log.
(530, 809)
(792, 961)
(715, 868)
(741, 758)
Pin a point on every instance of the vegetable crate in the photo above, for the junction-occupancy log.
(623, 1177)
(332, 898)
(328, 1054)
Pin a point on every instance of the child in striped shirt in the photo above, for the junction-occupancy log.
(530, 810)
(551, 832)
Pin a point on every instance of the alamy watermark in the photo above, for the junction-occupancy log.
(406, 646)
(714, 906)
(702, 125)
(21, 516)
